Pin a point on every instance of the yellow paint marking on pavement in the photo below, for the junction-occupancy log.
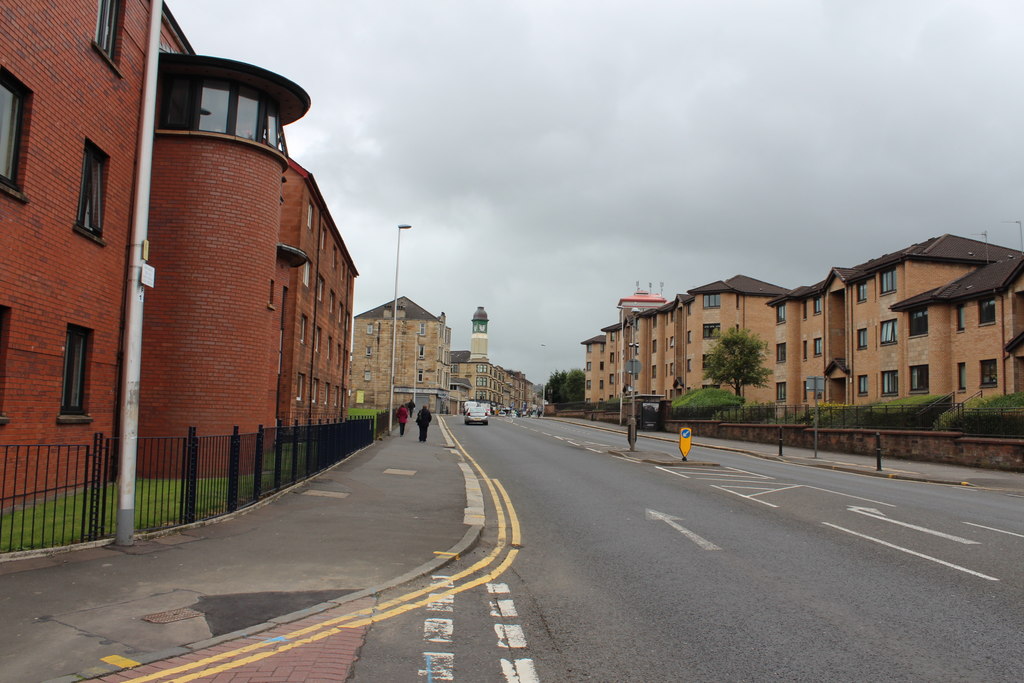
(498, 571)
(118, 660)
(446, 554)
(506, 516)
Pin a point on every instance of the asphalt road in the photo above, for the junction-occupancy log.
(750, 571)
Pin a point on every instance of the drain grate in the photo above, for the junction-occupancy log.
(172, 615)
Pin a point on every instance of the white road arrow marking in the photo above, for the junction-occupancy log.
(875, 514)
(671, 521)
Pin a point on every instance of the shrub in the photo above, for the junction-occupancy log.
(707, 398)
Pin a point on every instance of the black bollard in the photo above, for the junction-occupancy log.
(878, 452)
(780, 441)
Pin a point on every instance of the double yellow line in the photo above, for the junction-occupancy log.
(484, 571)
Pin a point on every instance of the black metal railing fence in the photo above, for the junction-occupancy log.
(54, 495)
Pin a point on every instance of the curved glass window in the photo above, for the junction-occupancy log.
(217, 105)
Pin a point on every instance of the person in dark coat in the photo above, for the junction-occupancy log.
(423, 420)
(403, 417)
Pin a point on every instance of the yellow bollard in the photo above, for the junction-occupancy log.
(684, 441)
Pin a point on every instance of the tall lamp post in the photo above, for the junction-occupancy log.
(394, 332)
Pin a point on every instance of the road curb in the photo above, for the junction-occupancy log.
(467, 543)
(776, 458)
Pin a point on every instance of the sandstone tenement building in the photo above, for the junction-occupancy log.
(422, 357)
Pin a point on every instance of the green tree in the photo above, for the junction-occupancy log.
(565, 386)
(575, 380)
(738, 360)
(555, 386)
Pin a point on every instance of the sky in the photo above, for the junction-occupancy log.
(552, 154)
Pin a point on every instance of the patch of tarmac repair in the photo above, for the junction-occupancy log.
(236, 611)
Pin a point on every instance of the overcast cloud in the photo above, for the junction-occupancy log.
(551, 153)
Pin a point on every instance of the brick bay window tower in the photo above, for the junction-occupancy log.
(213, 321)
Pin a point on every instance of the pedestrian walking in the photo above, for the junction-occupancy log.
(423, 420)
(403, 417)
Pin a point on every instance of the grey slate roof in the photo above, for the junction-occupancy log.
(413, 311)
(742, 285)
(459, 356)
(988, 279)
(596, 339)
(945, 248)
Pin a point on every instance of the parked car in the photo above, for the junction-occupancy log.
(476, 414)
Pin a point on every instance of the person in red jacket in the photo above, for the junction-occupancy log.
(403, 417)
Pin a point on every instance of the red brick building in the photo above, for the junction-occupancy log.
(221, 346)
(316, 318)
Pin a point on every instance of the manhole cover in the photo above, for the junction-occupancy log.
(172, 615)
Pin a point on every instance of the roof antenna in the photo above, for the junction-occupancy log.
(1020, 226)
(985, 233)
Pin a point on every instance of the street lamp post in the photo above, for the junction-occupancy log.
(394, 332)
(634, 347)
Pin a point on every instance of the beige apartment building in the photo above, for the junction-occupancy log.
(672, 340)
(422, 357)
(600, 369)
(944, 316)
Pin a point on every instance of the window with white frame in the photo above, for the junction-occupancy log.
(887, 281)
(300, 386)
(314, 391)
(303, 321)
(888, 332)
(890, 382)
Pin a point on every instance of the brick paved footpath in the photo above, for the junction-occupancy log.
(328, 659)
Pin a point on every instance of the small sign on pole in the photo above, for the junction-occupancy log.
(817, 385)
(684, 441)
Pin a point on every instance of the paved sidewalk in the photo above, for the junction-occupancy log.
(893, 468)
(392, 512)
